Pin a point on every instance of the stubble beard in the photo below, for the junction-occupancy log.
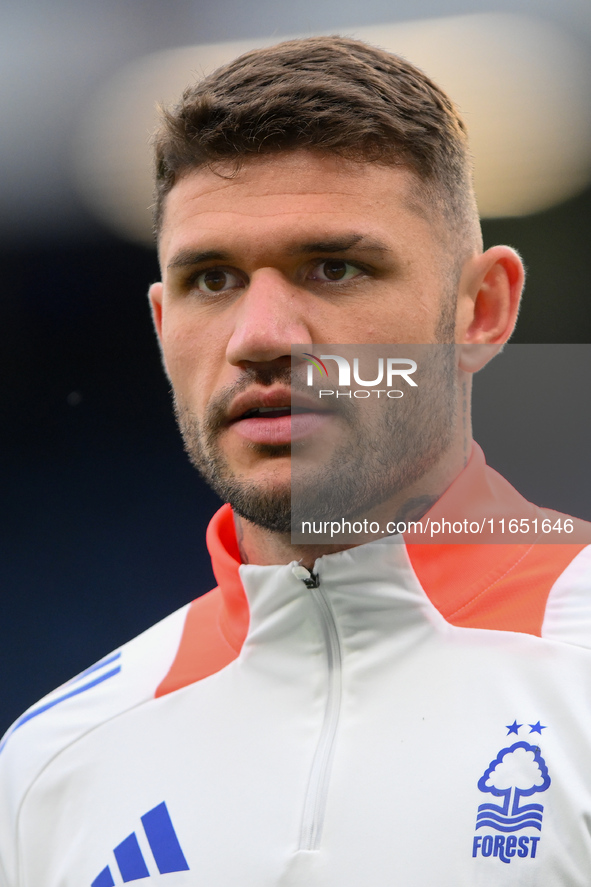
(375, 460)
(267, 507)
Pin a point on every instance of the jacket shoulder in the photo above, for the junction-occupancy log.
(124, 679)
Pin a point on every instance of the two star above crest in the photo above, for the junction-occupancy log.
(534, 728)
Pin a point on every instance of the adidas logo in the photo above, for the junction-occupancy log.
(164, 845)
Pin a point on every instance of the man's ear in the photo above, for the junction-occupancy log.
(488, 304)
(155, 299)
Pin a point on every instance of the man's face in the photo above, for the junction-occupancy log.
(297, 248)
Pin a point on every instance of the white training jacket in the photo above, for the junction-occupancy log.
(410, 715)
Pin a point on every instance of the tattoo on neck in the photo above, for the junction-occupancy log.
(415, 508)
(240, 539)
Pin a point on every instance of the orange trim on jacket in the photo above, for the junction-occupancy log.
(489, 586)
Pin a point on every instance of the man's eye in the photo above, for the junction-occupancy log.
(335, 269)
(216, 280)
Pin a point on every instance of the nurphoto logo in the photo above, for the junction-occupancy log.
(399, 367)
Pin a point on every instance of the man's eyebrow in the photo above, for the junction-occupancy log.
(187, 257)
(340, 245)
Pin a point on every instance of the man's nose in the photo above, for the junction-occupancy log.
(270, 317)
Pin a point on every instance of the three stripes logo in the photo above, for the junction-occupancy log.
(164, 844)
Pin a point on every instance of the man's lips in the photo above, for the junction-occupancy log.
(275, 416)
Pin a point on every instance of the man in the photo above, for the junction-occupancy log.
(330, 715)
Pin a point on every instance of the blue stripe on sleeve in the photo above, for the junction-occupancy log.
(101, 664)
(42, 708)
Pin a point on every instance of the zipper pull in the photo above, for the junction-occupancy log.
(306, 576)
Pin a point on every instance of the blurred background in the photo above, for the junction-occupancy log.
(103, 519)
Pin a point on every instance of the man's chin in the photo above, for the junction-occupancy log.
(269, 509)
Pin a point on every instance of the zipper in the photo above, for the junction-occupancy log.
(317, 791)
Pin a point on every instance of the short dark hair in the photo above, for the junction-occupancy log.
(330, 94)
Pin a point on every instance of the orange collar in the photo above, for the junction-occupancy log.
(479, 585)
(485, 586)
